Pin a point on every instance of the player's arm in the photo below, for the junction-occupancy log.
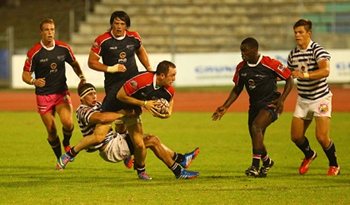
(105, 117)
(27, 78)
(77, 69)
(322, 71)
(95, 64)
(171, 104)
(122, 96)
(143, 57)
(220, 111)
(287, 88)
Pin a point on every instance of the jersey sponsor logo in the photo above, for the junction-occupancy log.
(43, 60)
(122, 58)
(113, 48)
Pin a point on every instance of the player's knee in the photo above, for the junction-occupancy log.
(151, 141)
(139, 144)
(154, 139)
(99, 137)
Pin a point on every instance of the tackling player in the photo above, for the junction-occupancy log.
(118, 146)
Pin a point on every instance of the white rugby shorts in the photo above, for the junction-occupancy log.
(115, 150)
(307, 109)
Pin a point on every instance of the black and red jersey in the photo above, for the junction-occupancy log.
(260, 79)
(143, 87)
(49, 63)
(113, 51)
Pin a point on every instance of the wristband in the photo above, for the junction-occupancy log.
(144, 103)
(32, 81)
(112, 69)
(306, 75)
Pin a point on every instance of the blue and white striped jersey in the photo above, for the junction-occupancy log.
(83, 114)
(306, 61)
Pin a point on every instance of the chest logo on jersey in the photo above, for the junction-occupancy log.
(53, 68)
(61, 57)
(130, 47)
(251, 84)
(43, 60)
(122, 58)
(113, 48)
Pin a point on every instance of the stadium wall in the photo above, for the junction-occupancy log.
(196, 69)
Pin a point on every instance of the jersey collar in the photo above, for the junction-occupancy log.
(254, 65)
(155, 86)
(48, 48)
(118, 38)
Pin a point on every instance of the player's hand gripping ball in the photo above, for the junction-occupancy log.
(162, 106)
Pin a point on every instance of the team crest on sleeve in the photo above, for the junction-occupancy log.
(133, 84)
(323, 108)
(95, 45)
(281, 67)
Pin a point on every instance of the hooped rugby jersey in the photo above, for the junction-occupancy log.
(83, 114)
(305, 61)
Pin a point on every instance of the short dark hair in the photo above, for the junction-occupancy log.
(163, 67)
(250, 42)
(122, 15)
(46, 20)
(303, 22)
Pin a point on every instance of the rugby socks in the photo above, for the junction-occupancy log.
(178, 157)
(305, 148)
(140, 169)
(331, 154)
(265, 159)
(256, 158)
(72, 153)
(56, 146)
(176, 168)
(67, 134)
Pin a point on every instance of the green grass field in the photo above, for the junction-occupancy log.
(28, 175)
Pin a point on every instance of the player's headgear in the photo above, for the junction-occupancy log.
(85, 89)
(122, 16)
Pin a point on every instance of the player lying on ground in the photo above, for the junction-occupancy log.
(117, 147)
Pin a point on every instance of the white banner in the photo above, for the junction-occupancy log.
(196, 69)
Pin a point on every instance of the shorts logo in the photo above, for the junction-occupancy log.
(323, 108)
